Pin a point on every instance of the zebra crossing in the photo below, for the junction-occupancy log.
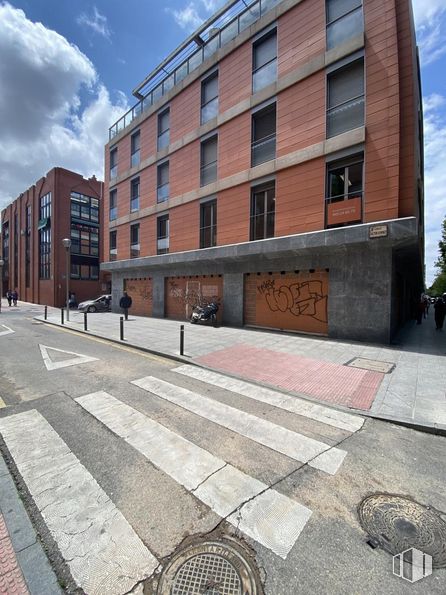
(103, 551)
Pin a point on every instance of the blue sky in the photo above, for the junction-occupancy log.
(67, 70)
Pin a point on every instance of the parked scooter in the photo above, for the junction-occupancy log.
(204, 314)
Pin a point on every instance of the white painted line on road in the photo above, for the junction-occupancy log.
(2, 403)
(219, 485)
(103, 552)
(331, 417)
(292, 444)
(8, 330)
(74, 361)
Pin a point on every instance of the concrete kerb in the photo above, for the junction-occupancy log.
(431, 428)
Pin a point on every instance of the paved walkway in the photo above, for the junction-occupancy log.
(413, 390)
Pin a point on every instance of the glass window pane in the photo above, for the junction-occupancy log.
(264, 123)
(345, 28)
(163, 174)
(209, 151)
(337, 8)
(249, 17)
(163, 121)
(209, 111)
(270, 225)
(264, 76)
(268, 4)
(336, 182)
(346, 84)
(229, 32)
(195, 60)
(346, 117)
(163, 140)
(355, 178)
(265, 50)
(209, 89)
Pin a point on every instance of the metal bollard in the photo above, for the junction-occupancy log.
(85, 322)
(182, 339)
(121, 327)
(45, 316)
(61, 315)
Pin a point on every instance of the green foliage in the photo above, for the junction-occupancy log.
(441, 262)
(438, 286)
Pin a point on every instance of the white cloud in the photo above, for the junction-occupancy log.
(43, 123)
(430, 20)
(435, 177)
(191, 16)
(97, 22)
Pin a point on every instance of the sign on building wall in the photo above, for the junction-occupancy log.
(288, 301)
(345, 211)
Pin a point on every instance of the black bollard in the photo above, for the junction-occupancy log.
(121, 327)
(85, 322)
(46, 313)
(61, 315)
(182, 339)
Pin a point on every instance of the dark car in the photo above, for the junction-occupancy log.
(100, 304)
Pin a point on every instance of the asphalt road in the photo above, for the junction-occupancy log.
(157, 483)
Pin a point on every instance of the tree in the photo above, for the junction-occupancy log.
(438, 287)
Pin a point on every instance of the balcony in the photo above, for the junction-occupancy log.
(225, 25)
(263, 150)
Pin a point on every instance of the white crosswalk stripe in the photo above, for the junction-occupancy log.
(292, 444)
(103, 552)
(331, 417)
(272, 519)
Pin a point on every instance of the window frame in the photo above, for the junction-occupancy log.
(337, 69)
(113, 204)
(211, 202)
(256, 69)
(114, 161)
(163, 134)
(135, 247)
(204, 104)
(255, 190)
(135, 154)
(255, 143)
(134, 199)
(159, 192)
(113, 246)
(205, 167)
(160, 220)
(329, 24)
(344, 163)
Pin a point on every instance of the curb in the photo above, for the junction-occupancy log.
(430, 428)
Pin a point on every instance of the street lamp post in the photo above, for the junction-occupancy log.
(2, 262)
(67, 245)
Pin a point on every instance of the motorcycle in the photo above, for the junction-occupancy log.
(204, 314)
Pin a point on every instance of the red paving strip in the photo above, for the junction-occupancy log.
(325, 381)
(11, 577)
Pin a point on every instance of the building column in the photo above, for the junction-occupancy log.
(233, 299)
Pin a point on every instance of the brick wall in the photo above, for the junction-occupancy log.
(140, 290)
(183, 293)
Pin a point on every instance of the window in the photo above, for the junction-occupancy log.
(134, 241)
(84, 240)
(208, 161)
(264, 67)
(209, 98)
(263, 200)
(113, 163)
(85, 208)
(134, 195)
(162, 193)
(263, 135)
(113, 245)
(163, 129)
(5, 250)
(346, 98)
(344, 191)
(86, 272)
(208, 224)
(135, 141)
(113, 205)
(44, 227)
(163, 234)
(16, 249)
(344, 21)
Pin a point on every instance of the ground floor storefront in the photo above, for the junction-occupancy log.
(357, 283)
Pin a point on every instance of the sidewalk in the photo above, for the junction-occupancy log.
(412, 390)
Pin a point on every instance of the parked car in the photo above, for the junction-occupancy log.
(100, 304)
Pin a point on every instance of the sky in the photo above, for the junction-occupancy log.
(67, 70)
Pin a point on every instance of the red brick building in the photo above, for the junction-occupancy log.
(60, 205)
(274, 162)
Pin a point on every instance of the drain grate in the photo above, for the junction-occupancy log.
(219, 567)
(398, 523)
(371, 364)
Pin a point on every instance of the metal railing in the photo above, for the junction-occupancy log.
(226, 27)
(263, 150)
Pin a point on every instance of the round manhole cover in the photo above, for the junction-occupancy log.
(210, 568)
(398, 523)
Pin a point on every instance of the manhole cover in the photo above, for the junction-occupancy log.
(371, 364)
(398, 523)
(210, 568)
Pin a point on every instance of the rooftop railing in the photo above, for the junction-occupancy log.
(227, 25)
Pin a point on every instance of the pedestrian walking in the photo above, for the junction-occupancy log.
(421, 309)
(125, 303)
(440, 312)
(9, 297)
(15, 297)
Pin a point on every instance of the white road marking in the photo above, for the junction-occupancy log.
(103, 552)
(8, 330)
(292, 444)
(331, 417)
(219, 485)
(74, 361)
(2, 403)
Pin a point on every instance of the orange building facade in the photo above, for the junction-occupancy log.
(60, 205)
(274, 163)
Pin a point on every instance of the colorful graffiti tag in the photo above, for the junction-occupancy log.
(299, 299)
